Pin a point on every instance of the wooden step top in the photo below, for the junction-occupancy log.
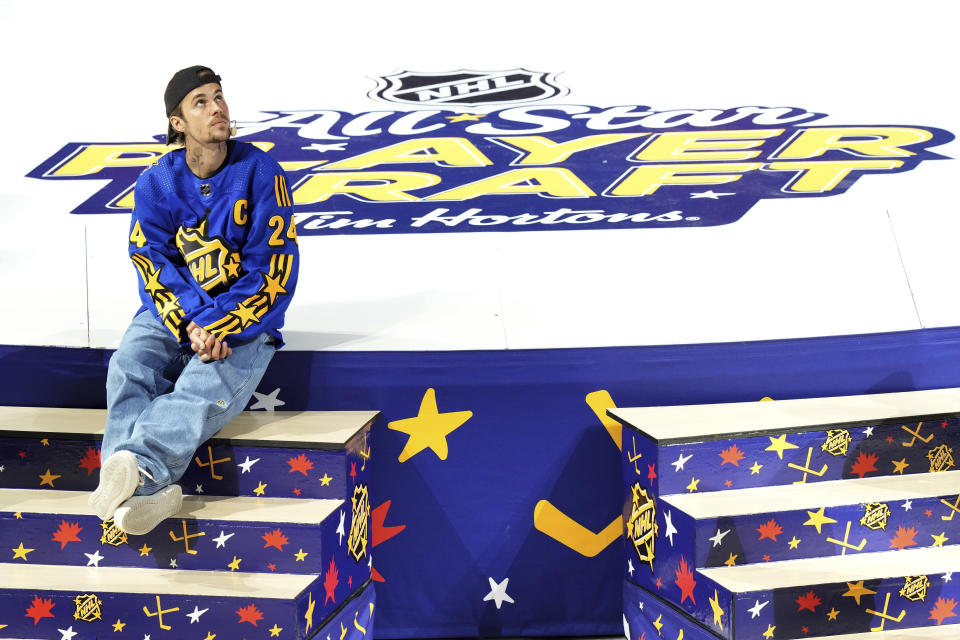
(36, 577)
(686, 423)
(832, 493)
(942, 632)
(236, 509)
(763, 576)
(320, 429)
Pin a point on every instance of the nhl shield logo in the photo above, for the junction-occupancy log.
(467, 88)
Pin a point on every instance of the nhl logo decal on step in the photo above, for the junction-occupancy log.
(357, 540)
(642, 525)
(876, 516)
(915, 589)
(941, 458)
(112, 534)
(88, 608)
(838, 440)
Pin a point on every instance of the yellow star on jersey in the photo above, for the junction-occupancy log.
(275, 631)
(325, 480)
(769, 632)
(940, 539)
(658, 624)
(857, 590)
(118, 626)
(153, 282)
(235, 564)
(145, 550)
(232, 266)
(301, 555)
(693, 485)
(732, 560)
(817, 519)
(20, 552)
(260, 487)
(832, 614)
(48, 478)
(780, 444)
(717, 610)
(429, 428)
(308, 616)
(463, 117)
(246, 315)
(900, 465)
(272, 287)
(755, 469)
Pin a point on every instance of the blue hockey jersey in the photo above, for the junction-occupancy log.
(219, 251)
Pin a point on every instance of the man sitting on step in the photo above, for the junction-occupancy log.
(213, 240)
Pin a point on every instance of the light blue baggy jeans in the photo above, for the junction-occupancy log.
(163, 402)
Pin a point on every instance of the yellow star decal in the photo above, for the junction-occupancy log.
(940, 539)
(794, 542)
(832, 614)
(145, 550)
(210, 635)
(780, 444)
(235, 564)
(272, 287)
(755, 469)
(169, 307)
(18, 515)
(20, 552)
(900, 465)
(260, 488)
(48, 478)
(153, 285)
(301, 555)
(325, 480)
(693, 485)
(717, 610)
(463, 117)
(246, 315)
(817, 519)
(45, 442)
(429, 428)
(658, 624)
(856, 590)
(118, 626)
(732, 560)
(308, 616)
(275, 631)
(769, 632)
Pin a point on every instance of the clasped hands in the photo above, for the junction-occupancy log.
(205, 344)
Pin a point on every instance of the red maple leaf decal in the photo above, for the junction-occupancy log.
(904, 538)
(731, 454)
(67, 533)
(250, 614)
(353, 472)
(810, 601)
(651, 473)
(864, 464)
(39, 608)
(685, 581)
(330, 581)
(90, 460)
(275, 539)
(770, 530)
(272, 567)
(301, 463)
(943, 609)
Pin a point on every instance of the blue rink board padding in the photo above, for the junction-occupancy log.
(444, 528)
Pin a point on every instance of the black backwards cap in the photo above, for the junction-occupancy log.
(182, 83)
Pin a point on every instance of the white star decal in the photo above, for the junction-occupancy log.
(267, 401)
(340, 530)
(199, 489)
(222, 539)
(195, 616)
(626, 627)
(316, 146)
(1, 468)
(146, 636)
(868, 431)
(640, 604)
(679, 462)
(710, 194)
(246, 464)
(907, 504)
(670, 528)
(947, 576)
(630, 568)
(498, 592)
(67, 634)
(173, 563)
(94, 558)
(757, 608)
(717, 540)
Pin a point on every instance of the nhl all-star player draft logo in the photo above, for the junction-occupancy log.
(642, 525)
(467, 88)
(359, 519)
(442, 168)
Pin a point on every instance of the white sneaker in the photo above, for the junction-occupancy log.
(140, 514)
(119, 478)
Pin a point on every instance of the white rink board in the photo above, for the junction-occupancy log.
(877, 258)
